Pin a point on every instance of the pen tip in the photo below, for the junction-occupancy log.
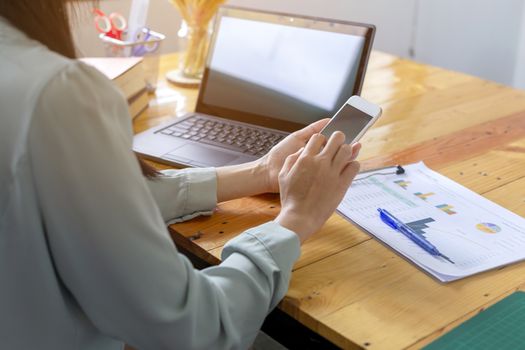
(448, 259)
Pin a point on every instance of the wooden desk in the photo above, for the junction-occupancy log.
(348, 287)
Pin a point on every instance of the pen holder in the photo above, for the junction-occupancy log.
(149, 48)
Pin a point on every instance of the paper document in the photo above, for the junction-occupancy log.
(475, 233)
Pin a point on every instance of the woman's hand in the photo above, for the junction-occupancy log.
(262, 175)
(274, 160)
(313, 182)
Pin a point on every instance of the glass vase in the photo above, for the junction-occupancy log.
(194, 41)
(194, 38)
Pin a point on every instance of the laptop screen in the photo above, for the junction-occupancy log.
(279, 71)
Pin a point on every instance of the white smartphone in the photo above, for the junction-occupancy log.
(354, 118)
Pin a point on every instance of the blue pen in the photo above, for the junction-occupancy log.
(418, 239)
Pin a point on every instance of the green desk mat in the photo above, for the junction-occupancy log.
(501, 327)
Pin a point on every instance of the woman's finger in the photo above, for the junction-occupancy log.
(314, 146)
(314, 128)
(346, 154)
(334, 143)
(343, 156)
(356, 148)
(349, 172)
(291, 160)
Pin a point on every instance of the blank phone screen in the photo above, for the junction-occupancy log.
(350, 121)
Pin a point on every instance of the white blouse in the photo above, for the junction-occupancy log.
(86, 261)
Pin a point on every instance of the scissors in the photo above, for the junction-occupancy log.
(144, 35)
(113, 25)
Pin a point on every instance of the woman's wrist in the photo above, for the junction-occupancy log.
(241, 180)
(257, 175)
(294, 222)
(263, 170)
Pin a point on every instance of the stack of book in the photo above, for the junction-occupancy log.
(128, 74)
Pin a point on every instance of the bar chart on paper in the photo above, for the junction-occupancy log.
(419, 226)
(475, 233)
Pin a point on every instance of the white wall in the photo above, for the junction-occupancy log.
(479, 37)
(485, 38)
(519, 76)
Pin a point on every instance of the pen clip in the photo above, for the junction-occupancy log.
(386, 219)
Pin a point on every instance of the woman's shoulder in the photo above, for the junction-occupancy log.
(80, 92)
(77, 79)
(30, 68)
(28, 59)
(80, 97)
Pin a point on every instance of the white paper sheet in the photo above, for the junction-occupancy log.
(475, 233)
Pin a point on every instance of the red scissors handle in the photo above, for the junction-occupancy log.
(112, 25)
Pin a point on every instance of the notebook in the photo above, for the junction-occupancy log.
(126, 72)
(499, 327)
(267, 74)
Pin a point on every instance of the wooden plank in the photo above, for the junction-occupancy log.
(398, 80)
(511, 196)
(401, 313)
(335, 236)
(496, 168)
(230, 219)
(402, 131)
(441, 102)
(455, 146)
(386, 301)
(379, 59)
(234, 217)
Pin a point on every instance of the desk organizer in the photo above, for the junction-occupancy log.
(149, 49)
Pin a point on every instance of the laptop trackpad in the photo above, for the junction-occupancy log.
(202, 155)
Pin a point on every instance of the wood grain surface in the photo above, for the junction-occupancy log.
(347, 286)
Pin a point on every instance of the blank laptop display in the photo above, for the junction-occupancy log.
(266, 73)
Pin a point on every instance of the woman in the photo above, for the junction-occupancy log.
(85, 258)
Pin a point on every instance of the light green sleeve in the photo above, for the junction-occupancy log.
(185, 194)
(108, 238)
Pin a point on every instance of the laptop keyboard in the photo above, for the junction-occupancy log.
(252, 141)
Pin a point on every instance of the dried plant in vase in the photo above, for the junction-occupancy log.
(195, 28)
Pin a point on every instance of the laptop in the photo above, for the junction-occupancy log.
(266, 75)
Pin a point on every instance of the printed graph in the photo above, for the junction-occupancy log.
(364, 197)
(446, 208)
(487, 227)
(402, 183)
(419, 226)
(476, 234)
(424, 196)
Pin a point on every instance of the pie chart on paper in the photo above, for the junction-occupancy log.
(487, 227)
